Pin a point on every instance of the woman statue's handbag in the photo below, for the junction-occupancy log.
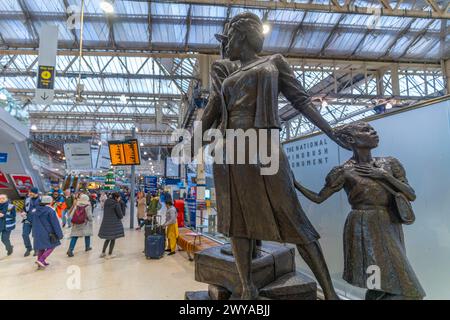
(402, 206)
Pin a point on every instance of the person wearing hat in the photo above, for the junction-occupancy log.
(220, 70)
(7, 221)
(31, 203)
(256, 203)
(46, 230)
(82, 225)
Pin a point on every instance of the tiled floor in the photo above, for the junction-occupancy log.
(128, 276)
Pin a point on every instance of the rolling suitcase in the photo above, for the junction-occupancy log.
(155, 245)
(155, 239)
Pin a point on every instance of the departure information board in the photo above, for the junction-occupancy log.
(124, 153)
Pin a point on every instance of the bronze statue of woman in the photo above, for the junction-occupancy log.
(373, 235)
(251, 205)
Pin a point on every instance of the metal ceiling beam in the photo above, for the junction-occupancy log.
(98, 116)
(149, 25)
(292, 59)
(384, 8)
(188, 28)
(331, 35)
(25, 73)
(278, 5)
(400, 34)
(169, 20)
(67, 5)
(28, 20)
(435, 6)
(386, 4)
(70, 93)
(417, 38)
(214, 52)
(111, 37)
(296, 32)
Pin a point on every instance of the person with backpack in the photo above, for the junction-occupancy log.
(82, 224)
(153, 206)
(46, 230)
(7, 222)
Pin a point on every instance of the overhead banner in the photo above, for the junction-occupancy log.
(48, 45)
(78, 156)
(124, 153)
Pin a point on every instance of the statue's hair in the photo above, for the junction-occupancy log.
(349, 129)
(249, 24)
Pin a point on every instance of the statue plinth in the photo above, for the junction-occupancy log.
(273, 273)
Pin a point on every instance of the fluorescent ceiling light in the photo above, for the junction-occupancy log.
(107, 6)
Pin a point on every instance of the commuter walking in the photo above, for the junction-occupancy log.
(46, 230)
(103, 198)
(171, 227)
(7, 222)
(141, 205)
(82, 224)
(69, 200)
(111, 227)
(31, 204)
(58, 203)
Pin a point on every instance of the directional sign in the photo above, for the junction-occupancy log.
(48, 43)
(150, 184)
(46, 78)
(78, 156)
(3, 157)
(124, 152)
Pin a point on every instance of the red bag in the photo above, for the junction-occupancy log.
(80, 215)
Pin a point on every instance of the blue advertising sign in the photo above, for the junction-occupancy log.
(171, 181)
(3, 157)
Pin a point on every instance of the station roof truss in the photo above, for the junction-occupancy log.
(141, 63)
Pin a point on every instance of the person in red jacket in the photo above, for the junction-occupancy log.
(179, 205)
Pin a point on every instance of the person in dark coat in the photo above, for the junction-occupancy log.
(7, 222)
(47, 232)
(31, 203)
(111, 227)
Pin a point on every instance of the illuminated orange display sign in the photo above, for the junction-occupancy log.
(124, 153)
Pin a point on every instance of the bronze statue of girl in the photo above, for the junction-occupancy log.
(373, 234)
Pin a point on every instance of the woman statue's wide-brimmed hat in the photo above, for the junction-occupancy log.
(222, 37)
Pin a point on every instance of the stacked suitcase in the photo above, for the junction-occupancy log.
(155, 239)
